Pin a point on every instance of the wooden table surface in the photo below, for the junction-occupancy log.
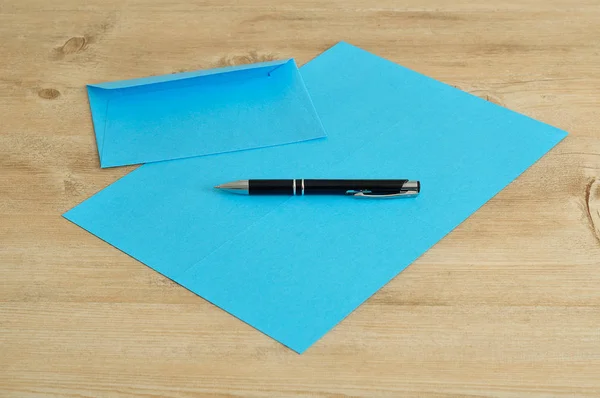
(507, 305)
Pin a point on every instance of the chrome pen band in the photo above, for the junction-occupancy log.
(295, 187)
(298, 190)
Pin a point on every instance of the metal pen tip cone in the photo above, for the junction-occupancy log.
(239, 187)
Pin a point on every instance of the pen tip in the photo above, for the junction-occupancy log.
(218, 187)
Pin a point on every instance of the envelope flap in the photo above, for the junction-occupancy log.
(268, 66)
(98, 98)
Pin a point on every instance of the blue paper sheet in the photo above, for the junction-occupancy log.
(295, 267)
(201, 113)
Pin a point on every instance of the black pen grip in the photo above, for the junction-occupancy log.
(271, 187)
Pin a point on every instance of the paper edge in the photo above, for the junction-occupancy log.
(448, 85)
(558, 140)
(297, 350)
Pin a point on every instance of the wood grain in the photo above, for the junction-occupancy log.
(508, 305)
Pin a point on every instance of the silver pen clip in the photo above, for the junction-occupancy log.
(370, 195)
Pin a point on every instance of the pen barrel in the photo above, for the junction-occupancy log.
(300, 187)
(342, 187)
(271, 187)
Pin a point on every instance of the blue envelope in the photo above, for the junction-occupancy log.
(293, 267)
(202, 113)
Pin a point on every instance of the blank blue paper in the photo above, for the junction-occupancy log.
(295, 267)
(202, 113)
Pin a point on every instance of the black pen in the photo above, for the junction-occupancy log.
(301, 187)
